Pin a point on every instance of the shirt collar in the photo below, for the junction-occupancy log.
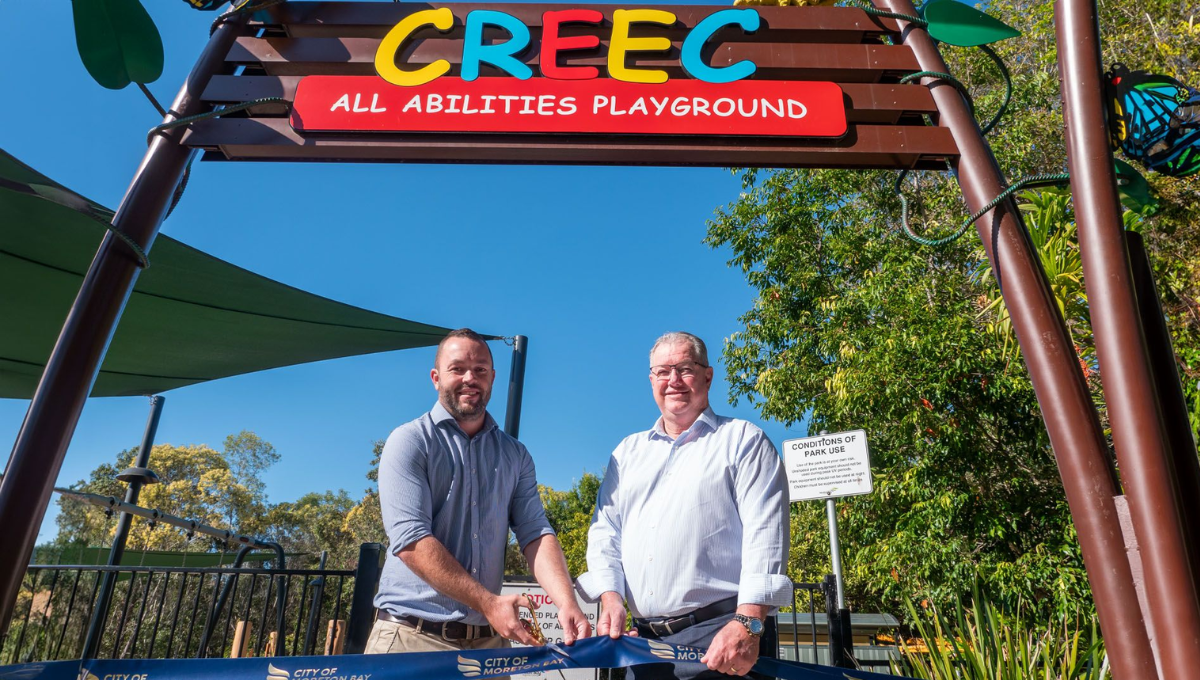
(706, 419)
(441, 415)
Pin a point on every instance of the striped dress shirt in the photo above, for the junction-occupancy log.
(467, 492)
(683, 523)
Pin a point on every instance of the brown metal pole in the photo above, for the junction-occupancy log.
(1185, 465)
(1062, 393)
(70, 372)
(1133, 409)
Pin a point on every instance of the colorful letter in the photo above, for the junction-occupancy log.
(501, 55)
(622, 43)
(553, 43)
(694, 64)
(385, 56)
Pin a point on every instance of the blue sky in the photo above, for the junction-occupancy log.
(591, 263)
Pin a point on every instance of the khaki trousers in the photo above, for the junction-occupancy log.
(389, 637)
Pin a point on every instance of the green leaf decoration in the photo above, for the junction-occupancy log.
(118, 42)
(956, 23)
(1134, 189)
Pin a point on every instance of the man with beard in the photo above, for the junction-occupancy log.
(451, 485)
(691, 525)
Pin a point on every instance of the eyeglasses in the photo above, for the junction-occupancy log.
(686, 370)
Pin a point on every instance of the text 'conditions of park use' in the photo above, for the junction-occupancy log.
(828, 466)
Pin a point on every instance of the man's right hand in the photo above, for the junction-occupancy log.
(501, 613)
(612, 616)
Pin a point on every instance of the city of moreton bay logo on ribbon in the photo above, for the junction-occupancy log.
(274, 673)
(662, 650)
(469, 667)
(673, 653)
(85, 674)
(502, 665)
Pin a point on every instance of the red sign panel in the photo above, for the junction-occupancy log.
(775, 108)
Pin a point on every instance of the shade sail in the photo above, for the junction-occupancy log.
(191, 317)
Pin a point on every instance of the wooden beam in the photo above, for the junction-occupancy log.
(776, 61)
(864, 146)
(335, 637)
(241, 641)
(865, 102)
(373, 19)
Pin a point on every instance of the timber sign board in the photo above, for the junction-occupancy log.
(572, 84)
(710, 100)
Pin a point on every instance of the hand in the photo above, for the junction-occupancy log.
(574, 624)
(733, 651)
(612, 616)
(501, 613)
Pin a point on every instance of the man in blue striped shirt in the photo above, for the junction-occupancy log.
(691, 525)
(451, 485)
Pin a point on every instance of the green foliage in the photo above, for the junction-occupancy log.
(854, 326)
(249, 456)
(225, 489)
(313, 523)
(196, 482)
(979, 641)
(570, 513)
(1049, 218)
(118, 42)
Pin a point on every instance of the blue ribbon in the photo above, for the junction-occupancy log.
(478, 664)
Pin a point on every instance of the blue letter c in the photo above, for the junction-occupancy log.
(694, 65)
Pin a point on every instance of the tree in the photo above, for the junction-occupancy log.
(855, 326)
(195, 482)
(313, 523)
(570, 513)
(249, 456)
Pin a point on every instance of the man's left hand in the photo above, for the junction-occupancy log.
(734, 651)
(574, 623)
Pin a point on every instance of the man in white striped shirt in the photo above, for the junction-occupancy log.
(691, 525)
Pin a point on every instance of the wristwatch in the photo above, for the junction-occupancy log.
(753, 626)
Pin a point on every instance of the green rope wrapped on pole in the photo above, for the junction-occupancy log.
(142, 258)
(217, 113)
(1034, 180)
(875, 11)
(187, 171)
(1023, 183)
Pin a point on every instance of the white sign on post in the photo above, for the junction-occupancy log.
(547, 618)
(828, 466)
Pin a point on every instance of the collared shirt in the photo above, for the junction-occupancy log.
(683, 523)
(464, 491)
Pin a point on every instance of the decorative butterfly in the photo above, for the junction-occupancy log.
(1155, 120)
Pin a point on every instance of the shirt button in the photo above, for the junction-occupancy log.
(475, 536)
(473, 503)
(474, 571)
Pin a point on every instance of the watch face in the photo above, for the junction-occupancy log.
(756, 627)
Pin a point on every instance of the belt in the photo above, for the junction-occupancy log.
(662, 627)
(449, 630)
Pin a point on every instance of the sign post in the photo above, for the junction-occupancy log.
(830, 466)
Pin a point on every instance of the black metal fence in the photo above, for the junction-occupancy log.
(188, 612)
(788, 624)
(181, 612)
